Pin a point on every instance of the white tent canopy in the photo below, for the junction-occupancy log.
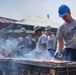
(36, 20)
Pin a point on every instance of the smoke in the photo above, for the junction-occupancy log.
(11, 45)
(35, 55)
(8, 46)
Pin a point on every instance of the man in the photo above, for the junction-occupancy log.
(24, 44)
(42, 42)
(66, 34)
(51, 40)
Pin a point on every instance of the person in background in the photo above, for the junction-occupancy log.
(42, 42)
(24, 46)
(24, 43)
(51, 40)
(66, 35)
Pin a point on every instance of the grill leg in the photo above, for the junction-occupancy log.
(39, 73)
(1, 72)
(19, 71)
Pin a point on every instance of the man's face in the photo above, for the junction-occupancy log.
(66, 17)
(23, 34)
(48, 32)
(38, 32)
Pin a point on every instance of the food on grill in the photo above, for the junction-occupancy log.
(37, 61)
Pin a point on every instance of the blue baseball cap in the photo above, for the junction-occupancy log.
(63, 9)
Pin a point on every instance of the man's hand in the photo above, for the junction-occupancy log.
(58, 55)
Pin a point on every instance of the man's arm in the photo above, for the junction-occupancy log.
(59, 44)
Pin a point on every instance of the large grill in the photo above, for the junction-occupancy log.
(51, 67)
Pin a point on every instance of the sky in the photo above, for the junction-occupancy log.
(19, 9)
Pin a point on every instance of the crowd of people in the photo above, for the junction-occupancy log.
(26, 44)
(61, 47)
(45, 42)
